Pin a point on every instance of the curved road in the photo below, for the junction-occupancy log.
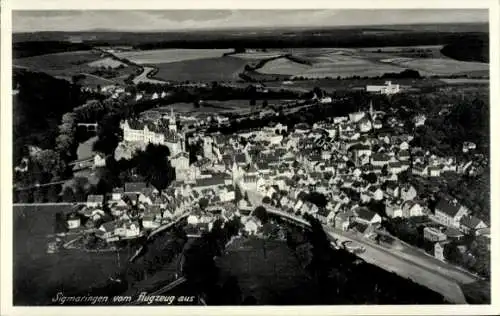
(425, 270)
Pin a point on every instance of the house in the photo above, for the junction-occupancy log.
(149, 221)
(439, 250)
(73, 221)
(132, 230)
(411, 209)
(116, 195)
(108, 229)
(379, 159)
(363, 228)
(434, 171)
(134, 187)
(392, 189)
(227, 193)
(322, 215)
(393, 209)
(471, 224)
(433, 234)
(449, 213)
(99, 161)
(366, 216)
(408, 193)
(95, 200)
(342, 220)
(453, 233)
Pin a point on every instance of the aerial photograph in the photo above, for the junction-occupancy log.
(251, 157)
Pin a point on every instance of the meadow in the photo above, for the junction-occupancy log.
(59, 61)
(370, 62)
(160, 56)
(202, 70)
(329, 65)
(68, 64)
(442, 66)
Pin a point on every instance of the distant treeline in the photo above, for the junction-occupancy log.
(42, 43)
(28, 49)
(334, 39)
(469, 49)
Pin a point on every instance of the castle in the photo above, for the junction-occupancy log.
(157, 132)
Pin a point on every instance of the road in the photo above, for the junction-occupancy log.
(143, 76)
(424, 270)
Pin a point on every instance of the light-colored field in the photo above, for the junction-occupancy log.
(442, 66)
(258, 55)
(465, 81)
(107, 62)
(329, 65)
(159, 56)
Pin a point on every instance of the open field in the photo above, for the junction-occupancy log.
(204, 70)
(38, 276)
(68, 64)
(330, 65)
(253, 55)
(441, 66)
(160, 56)
(59, 62)
(107, 62)
(466, 81)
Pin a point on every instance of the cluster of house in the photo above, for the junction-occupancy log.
(137, 208)
(341, 159)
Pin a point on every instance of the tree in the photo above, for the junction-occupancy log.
(203, 203)
(154, 166)
(482, 254)
(452, 253)
(266, 200)
(68, 195)
(261, 213)
(237, 193)
(370, 177)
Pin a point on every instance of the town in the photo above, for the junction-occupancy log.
(354, 173)
(350, 167)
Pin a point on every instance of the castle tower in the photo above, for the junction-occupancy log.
(172, 124)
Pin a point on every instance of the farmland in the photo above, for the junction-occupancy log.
(369, 62)
(59, 63)
(330, 65)
(161, 56)
(202, 70)
(442, 66)
(98, 70)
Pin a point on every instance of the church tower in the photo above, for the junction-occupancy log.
(172, 124)
(372, 114)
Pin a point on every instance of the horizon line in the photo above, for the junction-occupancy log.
(202, 29)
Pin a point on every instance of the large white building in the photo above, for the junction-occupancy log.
(388, 88)
(160, 133)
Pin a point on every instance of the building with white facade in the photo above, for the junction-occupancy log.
(387, 89)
